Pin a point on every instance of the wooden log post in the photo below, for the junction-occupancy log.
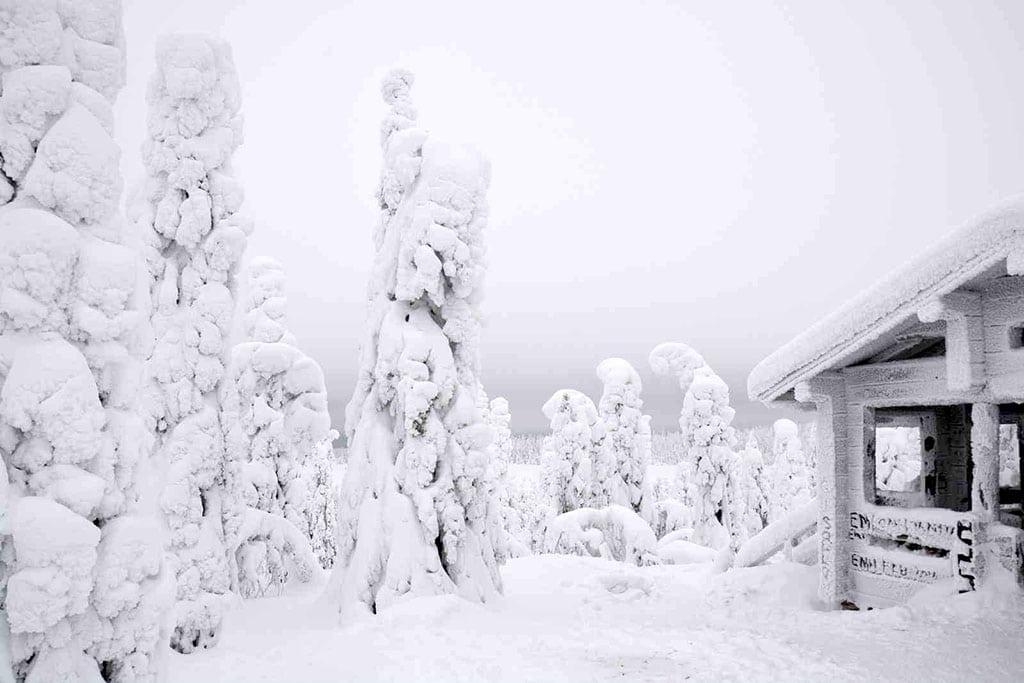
(828, 393)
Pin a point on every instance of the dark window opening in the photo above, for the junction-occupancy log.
(1016, 333)
(918, 457)
(1011, 500)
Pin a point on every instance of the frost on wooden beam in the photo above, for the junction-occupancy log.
(965, 337)
(827, 392)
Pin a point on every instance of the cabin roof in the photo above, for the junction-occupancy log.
(977, 251)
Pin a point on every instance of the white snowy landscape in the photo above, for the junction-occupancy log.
(640, 348)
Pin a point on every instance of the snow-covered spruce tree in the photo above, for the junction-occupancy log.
(745, 498)
(274, 414)
(194, 239)
(705, 422)
(627, 430)
(323, 512)
(499, 418)
(415, 504)
(790, 488)
(567, 454)
(81, 573)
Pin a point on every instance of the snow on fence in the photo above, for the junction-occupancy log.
(795, 531)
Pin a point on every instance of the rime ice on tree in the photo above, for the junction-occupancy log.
(83, 573)
(194, 239)
(413, 515)
(705, 422)
(627, 431)
(274, 412)
(567, 454)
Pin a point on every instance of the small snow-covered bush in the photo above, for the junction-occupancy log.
(529, 510)
(615, 533)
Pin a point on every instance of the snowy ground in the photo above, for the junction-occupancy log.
(581, 619)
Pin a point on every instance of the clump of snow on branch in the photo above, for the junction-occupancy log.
(194, 238)
(415, 509)
(746, 501)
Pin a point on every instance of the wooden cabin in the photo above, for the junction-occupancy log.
(918, 386)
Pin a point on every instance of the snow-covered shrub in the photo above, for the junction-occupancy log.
(627, 432)
(415, 504)
(567, 454)
(615, 533)
(668, 516)
(83, 592)
(194, 239)
(789, 486)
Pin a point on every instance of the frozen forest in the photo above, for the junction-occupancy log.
(373, 343)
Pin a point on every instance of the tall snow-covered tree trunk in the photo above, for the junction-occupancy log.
(627, 430)
(194, 240)
(274, 414)
(86, 590)
(413, 514)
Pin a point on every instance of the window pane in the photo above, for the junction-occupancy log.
(898, 458)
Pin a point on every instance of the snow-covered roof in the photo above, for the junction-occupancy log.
(978, 247)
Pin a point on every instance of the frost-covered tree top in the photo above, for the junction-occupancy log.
(415, 503)
(676, 360)
(266, 302)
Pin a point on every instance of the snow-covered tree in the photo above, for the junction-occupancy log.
(745, 497)
(705, 422)
(790, 488)
(567, 454)
(322, 506)
(499, 418)
(274, 413)
(415, 510)
(627, 431)
(82, 572)
(194, 240)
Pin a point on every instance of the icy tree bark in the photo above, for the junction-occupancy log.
(194, 239)
(83, 571)
(415, 501)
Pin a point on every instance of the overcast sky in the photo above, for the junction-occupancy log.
(721, 174)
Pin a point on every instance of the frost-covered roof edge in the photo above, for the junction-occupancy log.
(952, 261)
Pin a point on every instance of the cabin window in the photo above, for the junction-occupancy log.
(1010, 498)
(1016, 336)
(918, 457)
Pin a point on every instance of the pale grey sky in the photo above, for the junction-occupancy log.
(721, 174)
